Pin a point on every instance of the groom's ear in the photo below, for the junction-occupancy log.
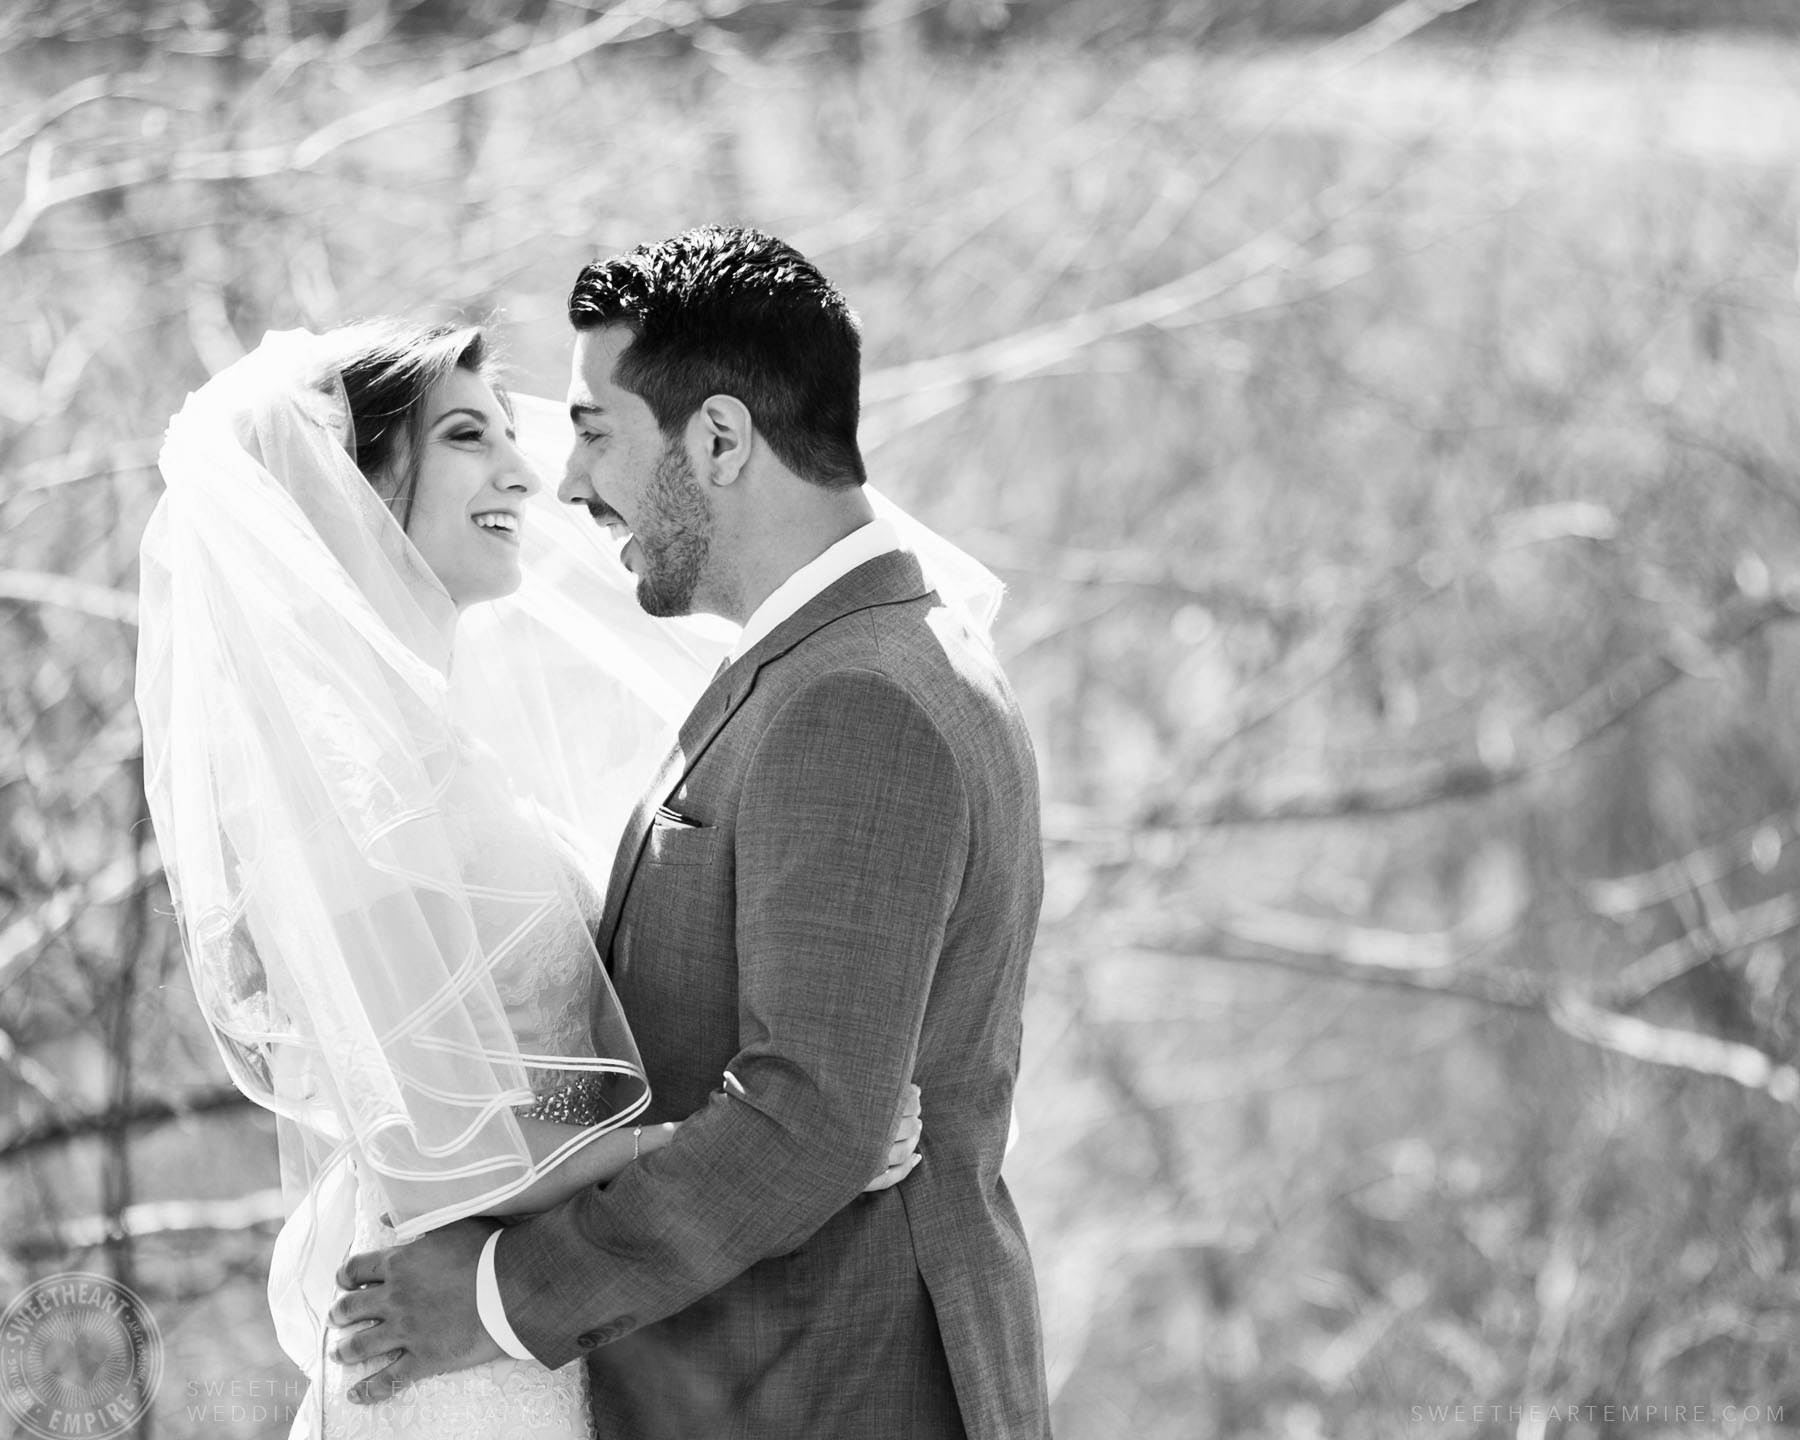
(724, 437)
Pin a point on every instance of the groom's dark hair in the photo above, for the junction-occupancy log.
(728, 311)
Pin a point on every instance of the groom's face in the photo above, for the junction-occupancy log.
(635, 481)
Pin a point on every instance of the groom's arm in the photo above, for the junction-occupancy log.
(852, 833)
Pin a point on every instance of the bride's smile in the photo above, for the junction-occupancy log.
(503, 523)
(468, 504)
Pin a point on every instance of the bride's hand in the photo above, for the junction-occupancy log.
(903, 1152)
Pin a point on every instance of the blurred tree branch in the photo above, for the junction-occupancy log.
(1762, 470)
(1677, 1049)
(103, 602)
(1425, 963)
(141, 1114)
(44, 193)
(119, 744)
(39, 1078)
(1143, 569)
(47, 475)
(161, 1217)
(1430, 968)
(1384, 32)
(1759, 844)
(85, 91)
(918, 389)
(1552, 740)
(1717, 935)
(1405, 587)
(27, 937)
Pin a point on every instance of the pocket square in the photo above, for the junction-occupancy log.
(666, 816)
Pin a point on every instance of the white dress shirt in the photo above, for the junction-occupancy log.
(814, 578)
(488, 1304)
(860, 546)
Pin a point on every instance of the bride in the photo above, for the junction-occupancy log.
(381, 861)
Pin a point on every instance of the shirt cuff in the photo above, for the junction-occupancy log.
(490, 1307)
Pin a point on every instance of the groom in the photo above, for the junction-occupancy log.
(830, 889)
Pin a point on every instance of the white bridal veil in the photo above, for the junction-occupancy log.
(355, 871)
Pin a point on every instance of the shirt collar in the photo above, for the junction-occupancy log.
(859, 547)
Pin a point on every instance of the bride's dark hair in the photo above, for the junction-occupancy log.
(388, 368)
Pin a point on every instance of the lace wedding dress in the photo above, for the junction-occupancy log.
(502, 1400)
(545, 983)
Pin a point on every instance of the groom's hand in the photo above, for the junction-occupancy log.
(421, 1300)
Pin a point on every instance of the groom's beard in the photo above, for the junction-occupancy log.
(675, 536)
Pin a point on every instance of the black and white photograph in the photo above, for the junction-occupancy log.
(899, 719)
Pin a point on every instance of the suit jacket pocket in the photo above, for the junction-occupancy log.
(672, 844)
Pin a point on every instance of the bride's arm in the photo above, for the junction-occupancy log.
(593, 1164)
(605, 1156)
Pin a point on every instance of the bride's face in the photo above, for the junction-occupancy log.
(468, 507)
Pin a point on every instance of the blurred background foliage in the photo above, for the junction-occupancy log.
(1384, 416)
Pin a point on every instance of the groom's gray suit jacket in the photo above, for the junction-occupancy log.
(831, 890)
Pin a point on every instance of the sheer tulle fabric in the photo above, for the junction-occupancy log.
(364, 892)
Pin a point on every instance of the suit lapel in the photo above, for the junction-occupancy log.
(889, 579)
